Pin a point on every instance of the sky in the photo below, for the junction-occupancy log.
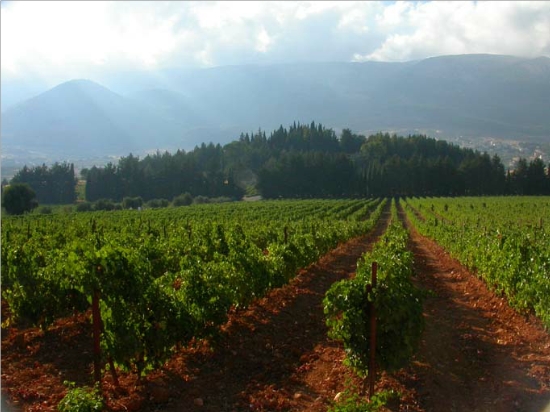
(57, 41)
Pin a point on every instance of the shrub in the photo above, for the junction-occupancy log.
(84, 207)
(19, 198)
(184, 199)
(104, 204)
(132, 202)
(157, 203)
(350, 401)
(81, 399)
(45, 210)
(220, 199)
(199, 200)
(67, 209)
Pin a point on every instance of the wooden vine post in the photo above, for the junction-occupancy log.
(96, 314)
(96, 321)
(97, 330)
(372, 322)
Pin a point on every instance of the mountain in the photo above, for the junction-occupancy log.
(466, 95)
(17, 90)
(81, 116)
(268, 96)
(472, 95)
(478, 95)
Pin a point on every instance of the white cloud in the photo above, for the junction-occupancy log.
(394, 16)
(419, 30)
(263, 41)
(79, 38)
(357, 18)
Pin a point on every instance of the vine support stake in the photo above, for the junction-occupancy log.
(113, 372)
(96, 320)
(372, 321)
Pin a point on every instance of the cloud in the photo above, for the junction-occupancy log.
(53, 37)
(420, 30)
(74, 37)
(61, 40)
(263, 41)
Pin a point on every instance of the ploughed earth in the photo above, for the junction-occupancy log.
(476, 353)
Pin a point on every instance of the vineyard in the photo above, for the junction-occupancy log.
(505, 241)
(165, 278)
(159, 282)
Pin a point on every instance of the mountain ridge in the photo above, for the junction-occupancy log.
(471, 95)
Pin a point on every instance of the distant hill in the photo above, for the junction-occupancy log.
(82, 116)
(470, 95)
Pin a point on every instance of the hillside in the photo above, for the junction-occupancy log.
(469, 95)
(80, 116)
(475, 95)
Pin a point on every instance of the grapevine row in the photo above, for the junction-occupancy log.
(506, 241)
(164, 278)
(397, 301)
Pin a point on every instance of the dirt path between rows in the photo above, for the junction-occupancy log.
(477, 354)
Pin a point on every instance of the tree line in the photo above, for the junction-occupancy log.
(52, 185)
(301, 161)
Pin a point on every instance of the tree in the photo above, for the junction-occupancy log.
(104, 204)
(132, 202)
(185, 199)
(349, 142)
(52, 185)
(84, 173)
(536, 176)
(19, 198)
(519, 178)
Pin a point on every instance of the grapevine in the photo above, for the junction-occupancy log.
(165, 277)
(398, 305)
